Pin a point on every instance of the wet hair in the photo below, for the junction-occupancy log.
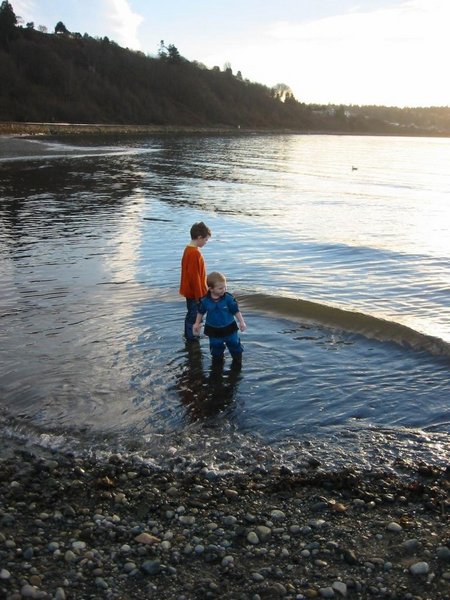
(214, 278)
(200, 230)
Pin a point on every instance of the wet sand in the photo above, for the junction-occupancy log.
(16, 147)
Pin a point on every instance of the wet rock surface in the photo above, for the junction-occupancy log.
(78, 528)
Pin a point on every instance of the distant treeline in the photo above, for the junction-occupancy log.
(69, 77)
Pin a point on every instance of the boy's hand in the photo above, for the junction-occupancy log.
(242, 326)
(196, 328)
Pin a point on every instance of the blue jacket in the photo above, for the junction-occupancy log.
(219, 314)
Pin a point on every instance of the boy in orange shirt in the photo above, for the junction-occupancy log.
(193, 275)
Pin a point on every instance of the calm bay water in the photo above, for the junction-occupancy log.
(337, 248)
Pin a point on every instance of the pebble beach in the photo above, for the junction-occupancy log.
(77, 528)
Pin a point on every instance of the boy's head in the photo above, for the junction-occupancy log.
(200, 233)
(217, 282)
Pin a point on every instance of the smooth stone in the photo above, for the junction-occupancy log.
(69, 556)
(277, 515)
(419, 568)
(252, 538)
(146, 538)
(129, 566)
(263, 532)
(231, 493)
(30, 591)
(101, 583)
(410, 546)
(320, 563)
(53, 546)
(340, 587)
(151, 567)
(78, 545)
(394, 527)
(443, 553)
(317, 523)
(35, 580)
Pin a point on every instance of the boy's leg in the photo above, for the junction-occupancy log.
(216, 347)
(191, 315)
(235, 347)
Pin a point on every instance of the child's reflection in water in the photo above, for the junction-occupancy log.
(206, 394)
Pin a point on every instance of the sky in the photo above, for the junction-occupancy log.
(361, 52)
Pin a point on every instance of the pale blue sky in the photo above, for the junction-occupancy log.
(385, 52)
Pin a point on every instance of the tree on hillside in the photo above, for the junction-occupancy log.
(61, 28)
(227, 68)
(162, 50)
(169, 53)
(174, 55)
(8, 22)
(282, 91)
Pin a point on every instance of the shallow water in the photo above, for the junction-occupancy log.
(337, 249)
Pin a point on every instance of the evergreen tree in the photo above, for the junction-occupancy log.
(8, 22)
(169, 53)
(173, 55)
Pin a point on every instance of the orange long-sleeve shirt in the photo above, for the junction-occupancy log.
(193, 274)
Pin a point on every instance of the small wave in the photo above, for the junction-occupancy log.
(352, 321)
(23, 149)
(221, 450)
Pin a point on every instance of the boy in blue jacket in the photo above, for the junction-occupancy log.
(222, 311)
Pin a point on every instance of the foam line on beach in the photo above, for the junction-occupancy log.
(356, 322)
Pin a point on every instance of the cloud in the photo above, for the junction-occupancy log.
(123, 22)
(23, 8)
(414, 20)
(388, 55)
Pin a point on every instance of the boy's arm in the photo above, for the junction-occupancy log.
(234, 308)
(198, 322)
(240, 319)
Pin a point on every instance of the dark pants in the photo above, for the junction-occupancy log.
(191, 315)
(232, 342)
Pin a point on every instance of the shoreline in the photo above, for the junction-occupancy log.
(79, 528)
(51, 129)
(76, 129)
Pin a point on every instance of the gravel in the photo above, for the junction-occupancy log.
(77, 528)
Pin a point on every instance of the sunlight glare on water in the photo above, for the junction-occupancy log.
(338, 247)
